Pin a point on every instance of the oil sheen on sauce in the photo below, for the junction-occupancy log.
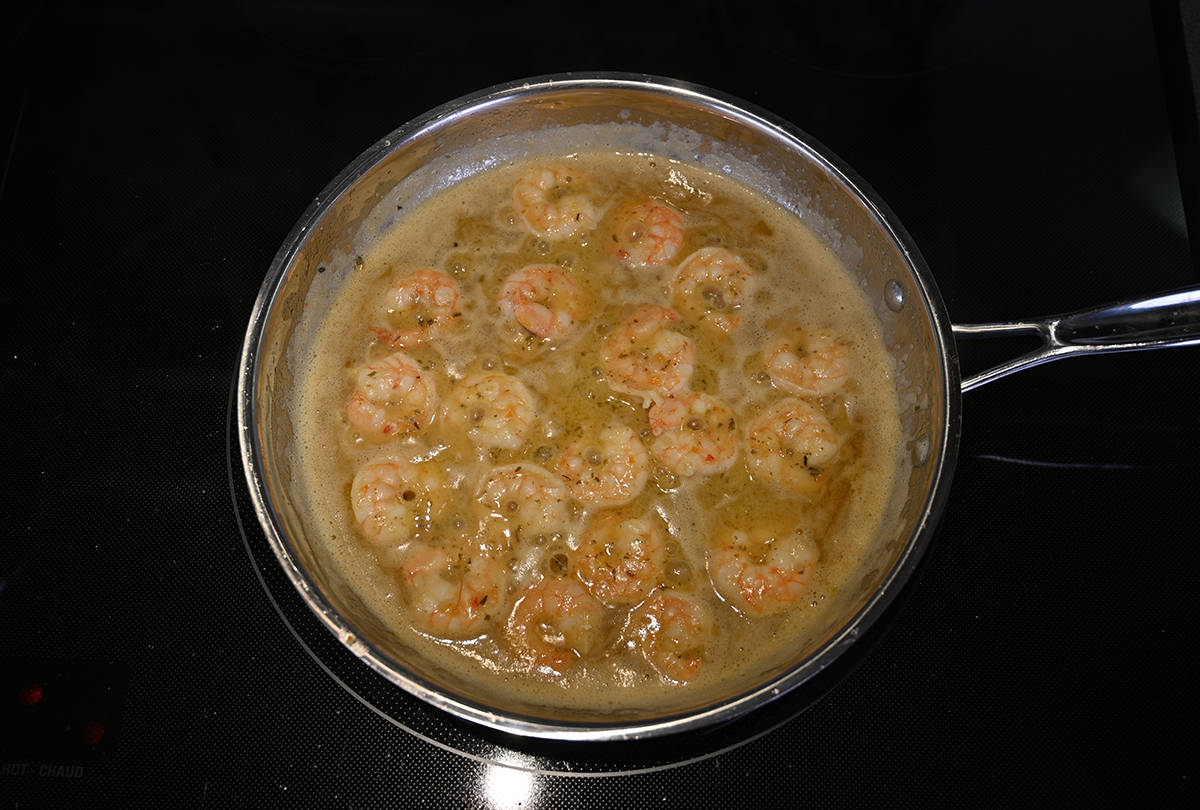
(711, 553)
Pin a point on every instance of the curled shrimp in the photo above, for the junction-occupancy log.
(645, 358)
(453, 594)
(495, 410)
(808, 362)
(522, 500)
(788, 443)
(391, 398)
(673, 630)
(646, 234)
(621, 560)
(760, 572)
(553, 624)
(609, 469)
(392, 498)
(550, 205)
(418, 307)
(695, 434)
(710, 286)
(542, 299)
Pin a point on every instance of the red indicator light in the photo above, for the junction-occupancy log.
(93, 732)
(31, 695)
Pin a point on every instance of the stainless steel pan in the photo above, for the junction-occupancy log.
(695, 125)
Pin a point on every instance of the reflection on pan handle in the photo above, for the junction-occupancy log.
(1168, 319)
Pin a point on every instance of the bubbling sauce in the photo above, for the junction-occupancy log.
(608, 431)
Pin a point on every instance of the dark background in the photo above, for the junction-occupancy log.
(155, 158)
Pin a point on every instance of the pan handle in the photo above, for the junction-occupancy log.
(1168, 319)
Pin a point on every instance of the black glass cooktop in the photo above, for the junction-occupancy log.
(155, 158)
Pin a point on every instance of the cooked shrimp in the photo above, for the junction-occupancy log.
(523, 501)
(710, 286)
(392, 498)
(608, 469)
(392, 398)
(554, 624)
(672, 630)
(761, 572)
(646, 359)
(495, 410)
(550, 205)
(621, 560)
(646, 234)
(695, 434)
(418, 307)
(788, 443)
(453, 593)
(542, 299)
(808, 362)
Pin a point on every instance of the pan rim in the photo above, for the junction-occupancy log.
(248, 415)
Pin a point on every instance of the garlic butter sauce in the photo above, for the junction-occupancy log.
(473, 233)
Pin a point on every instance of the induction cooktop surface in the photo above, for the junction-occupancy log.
(151, 650)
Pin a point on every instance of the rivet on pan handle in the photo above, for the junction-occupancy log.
(1168, 319)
